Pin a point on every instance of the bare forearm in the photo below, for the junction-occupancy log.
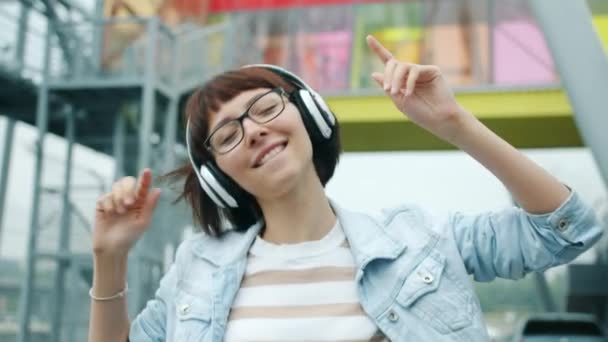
(109, 320)
(533, 188)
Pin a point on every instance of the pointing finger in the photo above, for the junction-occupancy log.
(379, 49)
(145, 179)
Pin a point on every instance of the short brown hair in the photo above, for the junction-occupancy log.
(208, 99)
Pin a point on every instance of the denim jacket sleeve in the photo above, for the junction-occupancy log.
(150, 323)
(512, 242)
(155, 321)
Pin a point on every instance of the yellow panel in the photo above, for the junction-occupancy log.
(601, 25)
(485, 105)
(541, 118)
(543, 132)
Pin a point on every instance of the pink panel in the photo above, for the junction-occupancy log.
(521, 55)
(324, 59)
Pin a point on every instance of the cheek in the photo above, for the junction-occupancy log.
(304, 142)
(233, 167)
(293, 123)
(239, 173)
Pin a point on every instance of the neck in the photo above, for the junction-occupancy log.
(302, 214)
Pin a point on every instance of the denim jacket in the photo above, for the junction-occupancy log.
(412, 270)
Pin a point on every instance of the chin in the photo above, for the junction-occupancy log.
(278, 183)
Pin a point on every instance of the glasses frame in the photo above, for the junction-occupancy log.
(245, 114)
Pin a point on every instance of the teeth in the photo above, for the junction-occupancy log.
(271, 154)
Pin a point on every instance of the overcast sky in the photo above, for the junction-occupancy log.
(438, 181)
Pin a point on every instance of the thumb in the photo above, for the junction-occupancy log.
(379, 78)
(152, 201)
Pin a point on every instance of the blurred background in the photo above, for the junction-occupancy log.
(92, 90)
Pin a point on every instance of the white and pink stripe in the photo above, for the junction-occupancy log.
(301, 292)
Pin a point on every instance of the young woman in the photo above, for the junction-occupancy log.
(279, 261)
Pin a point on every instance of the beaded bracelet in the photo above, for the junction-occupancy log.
(104, 299)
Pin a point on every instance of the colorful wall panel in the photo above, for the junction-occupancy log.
(521, 55)
(395, 25)
(324, 59)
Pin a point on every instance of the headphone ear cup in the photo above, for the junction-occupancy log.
(313, 116)
(228, 190)
(324, 108)
(309, 124)
(207, 190)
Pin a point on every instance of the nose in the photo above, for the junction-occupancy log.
(253, 132)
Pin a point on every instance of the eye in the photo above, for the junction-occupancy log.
(226, 135)
(267, 111)
(228, 139)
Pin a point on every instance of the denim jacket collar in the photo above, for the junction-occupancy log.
(228, 248)
(367, 239)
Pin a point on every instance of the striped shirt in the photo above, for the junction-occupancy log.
(300, 292)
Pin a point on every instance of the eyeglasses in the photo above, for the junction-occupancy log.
(263, 109)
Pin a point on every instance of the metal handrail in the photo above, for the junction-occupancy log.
(195, 39)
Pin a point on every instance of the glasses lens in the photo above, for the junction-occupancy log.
(267, 107)
(226, 137)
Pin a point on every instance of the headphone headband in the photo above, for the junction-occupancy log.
(297, 81)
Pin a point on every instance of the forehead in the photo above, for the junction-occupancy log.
(235, 107)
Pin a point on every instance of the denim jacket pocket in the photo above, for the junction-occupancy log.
(430, 293)
(193, 315)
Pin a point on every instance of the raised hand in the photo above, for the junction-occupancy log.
(123, 214)
(418, 91)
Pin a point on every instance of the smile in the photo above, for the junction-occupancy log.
(269, 155)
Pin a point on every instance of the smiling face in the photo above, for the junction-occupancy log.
(271, 157)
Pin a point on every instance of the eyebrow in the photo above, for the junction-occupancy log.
(247, 106)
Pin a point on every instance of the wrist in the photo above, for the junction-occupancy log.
(109, 274)
(458, 127)
(118, 295)
(114, 253)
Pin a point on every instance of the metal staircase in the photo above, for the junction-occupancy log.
(122, 102)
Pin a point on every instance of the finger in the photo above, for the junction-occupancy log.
(99, 205)
(411, 80)
(121, 191)
(388, 73)
(128, 186)
(379, 50)
(117, 198)
(428, 72)
(379, 78)
(399, 77)
(108, 204)
(143, 185)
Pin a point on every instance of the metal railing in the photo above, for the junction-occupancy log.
(116, 49)
(20, 44)
(331, 56)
